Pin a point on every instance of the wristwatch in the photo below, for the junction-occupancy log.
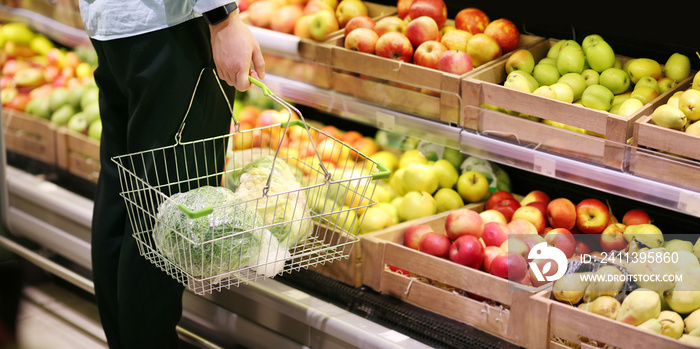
(219, 14)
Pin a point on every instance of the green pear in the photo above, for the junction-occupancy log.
(650, 268)
(696, 81)
(58, 97)
(609, 284)
(591, 76)
(673, 100)
(629, 107)
(669, 116)
(695, 332)
(647, 233)
(696, 248)
(639, 306)
(692, 321)
(546, 74)
(677, 67)
(684, 297)
(570, 288)
(570, 60)
(597, 97)
(671, 323)
(648, 81)
(604, 305)
(588, 40)
(615, 79)
(652, 325)
(577, 83)
(693, 129)
(600, 55)
(640, 67)
(690, 340)
(686, 260)
(689, 104)
(678, 245)
(62, 115)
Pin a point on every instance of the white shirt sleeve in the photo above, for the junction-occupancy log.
(202, 6)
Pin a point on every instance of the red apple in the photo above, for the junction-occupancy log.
(437, 245)
(561, 213)
(515, 245)
(531, 214)
(455, 62)
(394, 45)
(390, 24)
(284, 18)
(505, 33)
(359, 22)
(507, 206)
(260, 13)
(413, 234)
(510, 266)
(612, 237)
(491, 252)
(314, 6)
(402, 7)
(422, 29)
(435, 9)
(467, 250)
(428, 54)
(495, 233)
(493, 216)
(362, 40)
(540, 264)
(493, 200)
(540, 206)
(592, 216)
(482, 49)
(472, 20)
(636, 216)
(399, 270)
(535, 195)
(463, 222)
(562, 239)
(582, 248)
(530, 241)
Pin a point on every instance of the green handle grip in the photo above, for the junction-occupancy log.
(258, 83)
(383, 173)
(195, 214)
(294, 123)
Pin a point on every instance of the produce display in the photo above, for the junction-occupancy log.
(682, 110)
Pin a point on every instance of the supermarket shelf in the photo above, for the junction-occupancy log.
(60, 32)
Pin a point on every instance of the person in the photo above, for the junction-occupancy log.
(150, 56)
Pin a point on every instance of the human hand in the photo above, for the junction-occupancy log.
(234, 49)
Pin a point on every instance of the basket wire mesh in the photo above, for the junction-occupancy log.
(213, 246)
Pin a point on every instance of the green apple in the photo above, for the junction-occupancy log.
(615, 79)
(62, 115)
(448, 199)
(415, 205)
(628, 107)
(570, 60)
(530, 79)
(472, 186)
(518, 82)
(689, 104)
(648, 81)
(546, 74)
(577, 83)
(323, 24)
(590, 39)
(677, 67)
(419, 177)
(597, 97)
(666, 84)
(640, 67)
(564, 92)
(644, 93)
(591, 76)
(520, 60)
(78, 123)
(571, 43)
(445, 172)
(95, 130)
(548, 60)
(621, 97)
(600, 55)
(553, 51)
(669, 116)
(546, 91)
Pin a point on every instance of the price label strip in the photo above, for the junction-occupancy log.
(386, 121)
(544, 166)
(689, 202)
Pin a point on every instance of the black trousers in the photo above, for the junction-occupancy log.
(146, 83)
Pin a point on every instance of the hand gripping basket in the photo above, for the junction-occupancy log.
(217, 212)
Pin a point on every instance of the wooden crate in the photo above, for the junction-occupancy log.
(30, 136)
(666, 155)
(605, 144)
(78, 154)
(491, 304)
(569, 327)
(404, 87)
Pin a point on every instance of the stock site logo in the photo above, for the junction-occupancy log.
(542, 251)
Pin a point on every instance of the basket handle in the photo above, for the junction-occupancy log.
(195, 214)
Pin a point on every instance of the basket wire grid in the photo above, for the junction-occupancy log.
(322, 213)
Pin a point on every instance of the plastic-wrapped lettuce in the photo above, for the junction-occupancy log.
(288, 212)
(209, 245)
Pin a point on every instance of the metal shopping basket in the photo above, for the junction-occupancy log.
(238, 236)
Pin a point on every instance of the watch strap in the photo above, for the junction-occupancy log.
(219, 14)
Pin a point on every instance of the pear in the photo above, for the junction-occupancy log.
(690, 340)
(677, 67)
(693, 129)
(678, 245)
(686, 260)
(604, 305)
(652, 325)
(605, 286)
(671, 323)
(570, 288)
(648, 234)
(639, 306)
(667, 115)
(684, 297)
(696, 247)
(695, 332)
(652, 268)
(692, 321)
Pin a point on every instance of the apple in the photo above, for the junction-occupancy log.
(413, 234)
(428, 54)
(545, 91)
(492, 216)
(455, 62)
(615, 79)
(463, 222)
(561, 213)
(348, 9)
(435, 9)
(627, 107)
(394, 45)
(599, 55)
(495, 233)
(641, 67)
(522, 226)
(467, 250)
(472, 20)
(313, 6)
(531, 214)
(520, 60)
(507, 207)
(520, 82)
(362, 40)
(540, 206)
(535, 195)
(591, 76)
(515, 245)
(577, 82)
(505, 33)
(491, 252)
(472, 186)
(530, 240)
(666, 83)
(390, 24)
(437, 245)
(592, 216)
(648, 81)
(422, 29)
(540, 263)
(510, 266)
(359, 22)
(260, 13)
(636, 216)
(284, 18)
(497, 196)
(482, 49)
(612, 238)
(456, 39)
(570, 59)
(402, 7)
(302, 28)
(562, 239)
(597, 97)
(323, 24)
(582, 248)
(398, 270)
(646, 93)
(546, 74)
(563, 91)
